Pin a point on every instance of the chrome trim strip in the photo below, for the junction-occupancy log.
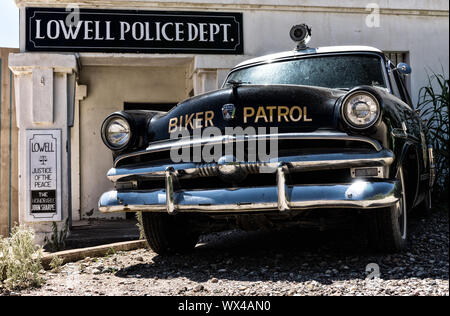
(403, 133)
(381, 158)
(283, 198)
(186, 142)
(170, 194)
(359, 194)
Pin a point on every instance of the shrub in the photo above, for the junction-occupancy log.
(433, 105)
(20, 260)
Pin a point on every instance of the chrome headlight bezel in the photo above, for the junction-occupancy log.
(120, 121)
(373, 107)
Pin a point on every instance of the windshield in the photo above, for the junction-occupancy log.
(334, 71)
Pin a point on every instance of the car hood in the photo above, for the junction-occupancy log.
(289, 108)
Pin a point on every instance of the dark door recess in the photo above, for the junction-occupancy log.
(163, 107)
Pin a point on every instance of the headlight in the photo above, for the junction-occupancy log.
(361, 109)
(116, 132)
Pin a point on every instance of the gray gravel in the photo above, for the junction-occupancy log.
(288, 262)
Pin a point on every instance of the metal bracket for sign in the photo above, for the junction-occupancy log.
(43, 175)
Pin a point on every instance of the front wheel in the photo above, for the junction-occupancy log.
(424, 208)
(388, 226)
(168, 233)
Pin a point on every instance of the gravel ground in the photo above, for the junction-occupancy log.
(288, 262)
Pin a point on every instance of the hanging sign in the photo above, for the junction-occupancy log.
(98, 30)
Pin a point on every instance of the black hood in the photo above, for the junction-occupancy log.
(288, 107)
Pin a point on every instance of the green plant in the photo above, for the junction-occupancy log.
(20, 260)
(433, 105)
(57, 240)
(56, 263)
(110, 252)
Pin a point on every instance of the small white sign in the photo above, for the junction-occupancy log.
(44, 175)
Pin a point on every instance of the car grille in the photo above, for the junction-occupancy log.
(285, 147)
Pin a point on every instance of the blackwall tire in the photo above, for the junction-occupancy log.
(388, 227)
(168, 233)
(424, 208)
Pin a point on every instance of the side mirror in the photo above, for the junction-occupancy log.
(403, 68)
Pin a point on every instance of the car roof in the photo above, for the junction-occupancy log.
(309, 51)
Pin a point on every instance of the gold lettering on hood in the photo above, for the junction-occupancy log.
(192, 120)
(283, 114)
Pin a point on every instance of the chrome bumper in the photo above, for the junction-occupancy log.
(282, 197)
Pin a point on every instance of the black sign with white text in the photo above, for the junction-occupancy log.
(44, 174)
(92, 30)
(43, 201)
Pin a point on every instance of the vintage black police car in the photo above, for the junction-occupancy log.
(349, 149)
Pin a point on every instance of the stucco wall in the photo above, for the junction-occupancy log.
(108, 89)
(252, 4)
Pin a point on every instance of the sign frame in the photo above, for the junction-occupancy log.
(32, 159)
(35, 36)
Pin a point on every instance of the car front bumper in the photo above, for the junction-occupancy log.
(362, 193)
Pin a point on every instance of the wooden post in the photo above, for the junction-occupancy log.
(8, 147)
